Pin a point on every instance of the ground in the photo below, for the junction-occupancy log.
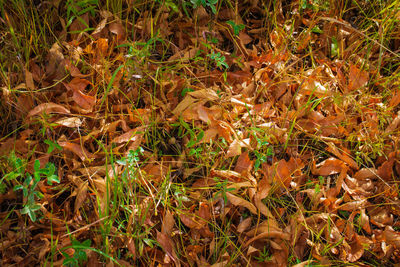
(199, 133)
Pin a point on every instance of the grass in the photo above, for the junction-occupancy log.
(167, 193)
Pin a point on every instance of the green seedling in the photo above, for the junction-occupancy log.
(186, 90)
(79, 256)
(222, 189)
(219, 60)
(28, 187)
(263, 152)
(52, 146)
(264, 256)
(75, 9)
(236, 27)
(205, 3)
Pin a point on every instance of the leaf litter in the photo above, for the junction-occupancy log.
(182, 141)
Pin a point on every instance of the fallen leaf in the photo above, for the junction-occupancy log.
(244, 225)
(365, 173)
(80, 196)
(357, 78)
(48, 108)
(131, 135)
(168, 246)
(72, 122)
(235, 149)
(79, 150)
(237, 201)
(77, 85)
(328, 167)
(168, 223)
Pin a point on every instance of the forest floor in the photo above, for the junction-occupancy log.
(200, 133)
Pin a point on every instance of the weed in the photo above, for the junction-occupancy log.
(29, 184)
(264, 256)
(263, 151)
(221, 186)
(79, 256)
(205, 3)
(75, 9)
(236, 27)
(219, 60)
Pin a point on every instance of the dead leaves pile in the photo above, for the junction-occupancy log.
(326, 190)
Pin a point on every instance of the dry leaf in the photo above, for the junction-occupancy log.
(79, 150)
(48, 108)
(237, 201)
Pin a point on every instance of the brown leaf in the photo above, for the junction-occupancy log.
(80, 196)
(244, 164)
(168, 223)
(48, 108)
(265, 211)
(190, 221)
(342, 155)
(29, 80)
(168, 246)
(131, 135)
(394, 124)
(235, 149)
(364, 221)
(284, 170)
(72, 122)
(204, 211)
(237, 201)
(304, 263)
(365, 173)
(354, 205)
(269, 234)
(79, 150)
(227, 175)
(74, 71)
(79, 25)
(395, 100)
(205, 94)
(184, 104)
(385, 171)
(328, 167)
(55, 68)
(244, 225)
(356, 250)
(392, 237)
(357, 78)
(77, 85)
(118, 29)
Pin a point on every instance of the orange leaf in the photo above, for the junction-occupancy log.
(77, 85)
(79, 150)
(244, 164)
(235, 149)
(328, 167)
(357, 78)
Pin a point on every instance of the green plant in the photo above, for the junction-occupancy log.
(219, 60)
(79, 256)
(236, 27)
(264, 256)
(196, 134)
(221, 186)
(262, 152)
(205, 3)
(75, 9)
(28, 186)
